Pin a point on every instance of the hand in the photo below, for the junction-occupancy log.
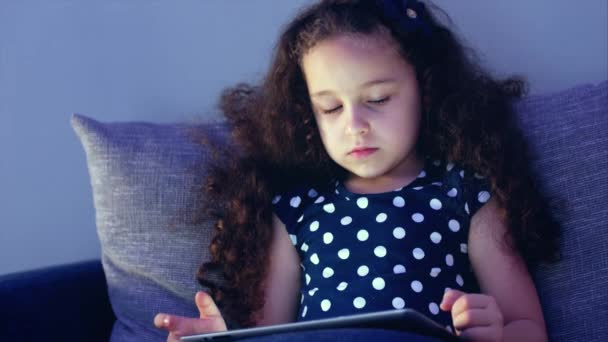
(210, 320)
(476, 317)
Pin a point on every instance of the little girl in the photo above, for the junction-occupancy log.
(376, 167)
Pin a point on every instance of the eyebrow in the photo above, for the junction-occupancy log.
(364, 85)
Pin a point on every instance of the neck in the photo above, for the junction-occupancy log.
(402, 175)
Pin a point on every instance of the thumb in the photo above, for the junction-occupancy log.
(206, 306)
(449, 297)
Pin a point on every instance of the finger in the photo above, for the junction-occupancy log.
(173, 338)
(470, 301)
(472, 318)
(489, 333)
(180, 326)
(449, 297)
(205, 304)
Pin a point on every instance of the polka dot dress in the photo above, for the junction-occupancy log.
(403, 248)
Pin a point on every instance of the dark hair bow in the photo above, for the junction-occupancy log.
(407, 15)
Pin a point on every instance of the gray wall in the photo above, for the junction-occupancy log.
(167, 60)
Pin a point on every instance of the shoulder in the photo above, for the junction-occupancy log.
(289, 204)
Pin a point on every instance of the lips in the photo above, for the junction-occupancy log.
(362, 151)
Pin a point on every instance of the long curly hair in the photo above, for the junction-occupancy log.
(467, 118)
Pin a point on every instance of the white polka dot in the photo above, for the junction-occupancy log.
(478, 176)
(435, 204)
(276, 199)
(459, 280)
(436, 162)
(398, 202)
(301, 218)
(344, 253)
(294, 239)
(325, 304)
(416, 286)
(313, 291)
(362, 202)
(437, 183)
(295, 201)
(449, 260)
(418, 217)
(418, 188)
(304, 311)
(307, 279)
(466, 207)
(342, 286)
(329, 207)
(362, 235)
(314, 226)
(380, 251)
(312, 193)
(434, 308)
(435, 237)
(483, 196)
(304, 247)
(418, 253)
(422, 174)
(320, 199)
(398, 303)
(346, 220)
(464, 248)
(328, 238)
(303, 267)
(314, 259)
(398, 269)
(328, 272)
(363, 271)
(359, 302)
(399, 233)
(454, 225)
(449, 166)
(449, 328)
(435, 272)
(378, 283)
(453, 192)
(302, 299)
(462, 174)
(381, 217)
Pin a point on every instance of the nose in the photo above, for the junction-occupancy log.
(357, 122)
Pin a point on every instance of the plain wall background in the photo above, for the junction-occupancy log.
(162, 61)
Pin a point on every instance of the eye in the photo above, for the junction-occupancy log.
(381, 101)
(330, 111)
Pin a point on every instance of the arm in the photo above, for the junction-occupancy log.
(282, 287)
(509, 295)
(283, 280)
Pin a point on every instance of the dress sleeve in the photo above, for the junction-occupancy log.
(477, 191)
(288, 206)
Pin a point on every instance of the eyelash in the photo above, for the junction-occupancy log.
(378, 102)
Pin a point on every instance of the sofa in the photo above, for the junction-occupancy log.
(145, 178)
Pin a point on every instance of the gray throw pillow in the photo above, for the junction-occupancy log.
(143, 176)
(567, 131)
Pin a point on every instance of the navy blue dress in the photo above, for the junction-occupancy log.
(371, 252)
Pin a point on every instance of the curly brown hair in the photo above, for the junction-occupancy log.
(467, 118)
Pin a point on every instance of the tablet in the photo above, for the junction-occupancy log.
(407, 320)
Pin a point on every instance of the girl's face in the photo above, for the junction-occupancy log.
(367, 107)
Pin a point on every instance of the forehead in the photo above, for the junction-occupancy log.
(347, 61)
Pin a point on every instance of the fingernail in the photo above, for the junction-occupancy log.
(166, 321)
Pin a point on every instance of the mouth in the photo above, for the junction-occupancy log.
(362, 152)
